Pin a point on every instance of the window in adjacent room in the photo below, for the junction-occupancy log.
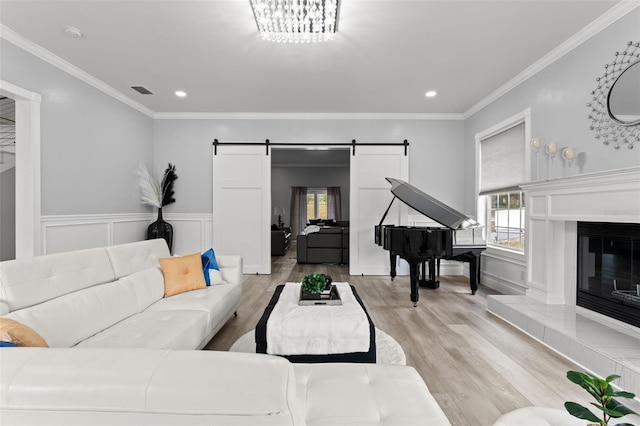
(317, 203)
(502, 167)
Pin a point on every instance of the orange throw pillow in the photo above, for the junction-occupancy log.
(20, 334)
(182, 274)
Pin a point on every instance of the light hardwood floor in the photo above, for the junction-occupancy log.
(476, 365)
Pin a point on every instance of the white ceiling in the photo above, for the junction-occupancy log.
(385, 56)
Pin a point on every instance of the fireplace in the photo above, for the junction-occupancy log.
(608, 269)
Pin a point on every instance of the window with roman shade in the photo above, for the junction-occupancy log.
(502, 170)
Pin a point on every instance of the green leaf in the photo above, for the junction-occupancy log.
(585, 381)
(577, 410)
(612, 377)
(577, 377)
(624, 394)
(616, 410)
(625, 424)
(608, 390)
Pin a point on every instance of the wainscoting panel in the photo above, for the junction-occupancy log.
(76, 232)
(192, 231)
(60, 237)
(503, 273)
(129, 231)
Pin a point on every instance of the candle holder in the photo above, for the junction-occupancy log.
(551, 149)
(569, 155)
(535, 146)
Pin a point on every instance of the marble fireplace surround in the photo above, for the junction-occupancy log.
(548, 310)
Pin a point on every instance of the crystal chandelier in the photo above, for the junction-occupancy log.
(296, 21)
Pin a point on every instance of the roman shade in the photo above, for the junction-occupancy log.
(502, 161)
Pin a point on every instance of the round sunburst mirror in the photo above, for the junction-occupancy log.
(615, 108)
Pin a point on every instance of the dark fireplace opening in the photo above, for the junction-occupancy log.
(609, 269)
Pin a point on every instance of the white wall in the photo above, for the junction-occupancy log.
(558, 97)
(436, 161)
(91, 143)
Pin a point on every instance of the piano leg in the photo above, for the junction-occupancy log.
(474, 272)
(431, 282)
(413, 274)
(392, 262)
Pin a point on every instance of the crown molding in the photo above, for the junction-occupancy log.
(302, 116)
(612, 15)
(47, 56)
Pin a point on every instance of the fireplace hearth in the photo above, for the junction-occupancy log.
(608, 269)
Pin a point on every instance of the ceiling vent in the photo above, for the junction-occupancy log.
(142, 90)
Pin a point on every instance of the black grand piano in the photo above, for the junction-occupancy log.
(419, 245)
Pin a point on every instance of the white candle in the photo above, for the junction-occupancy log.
(551, 148)
(568, 154)
(535, 143)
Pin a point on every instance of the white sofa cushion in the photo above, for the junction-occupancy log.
(184, 329)
(365, 394)
(148, 285)
(27, 282)
(107, 386)
(132, 257)
(217, 302)
(67, 320)
(231, 268)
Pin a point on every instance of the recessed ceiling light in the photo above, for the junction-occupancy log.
(73, 32)
(430, 94)
(181, 94)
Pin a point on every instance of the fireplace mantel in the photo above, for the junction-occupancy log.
(548, 312)
(553, 208)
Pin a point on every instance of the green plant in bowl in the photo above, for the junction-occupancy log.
(602, 391)
(314, 283)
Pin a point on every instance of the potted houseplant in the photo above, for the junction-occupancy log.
(313, 285)
(602, 391)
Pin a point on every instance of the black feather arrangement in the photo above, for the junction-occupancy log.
(166, 186)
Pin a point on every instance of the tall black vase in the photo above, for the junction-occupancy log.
(161, 229)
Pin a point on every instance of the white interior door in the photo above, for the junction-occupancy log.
(241, 204)
(370, 197)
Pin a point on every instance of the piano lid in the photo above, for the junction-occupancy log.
(429, 206)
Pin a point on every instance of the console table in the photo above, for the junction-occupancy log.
(280, 241)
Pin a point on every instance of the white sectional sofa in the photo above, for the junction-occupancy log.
(121, 354)
(70, 387)
(113, 297)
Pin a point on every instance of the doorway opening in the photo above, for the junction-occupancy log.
(7, 178)
(309, 186)
(27, 186)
